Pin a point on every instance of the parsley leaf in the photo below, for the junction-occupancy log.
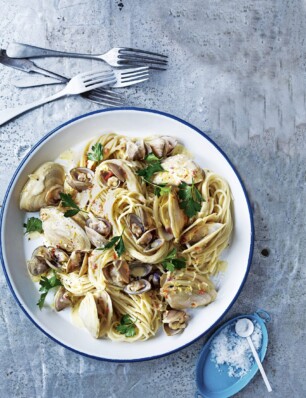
(117, 242)
(151, 158)
(45, 285)
(161, 189)
(148, 172)
(33, 224)
(97, 153)
(127, 326)
(67, 201)
(190, 199)
(171, 262)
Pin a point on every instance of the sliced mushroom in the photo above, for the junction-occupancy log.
(139, 270)
(135, 150)
(174, 322)
(186, 299)
(61, 299)
(138, 287)
(171, 215)
(43, 187)
(80, 178)
(117, 273)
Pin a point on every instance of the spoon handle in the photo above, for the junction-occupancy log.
(263, 373)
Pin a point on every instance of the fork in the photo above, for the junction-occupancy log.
(117, 56)
(78, 84)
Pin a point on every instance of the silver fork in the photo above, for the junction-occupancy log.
(78, 84)
(117, 56)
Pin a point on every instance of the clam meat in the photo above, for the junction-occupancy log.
(138, 287)
(38, 264)
(174, 321)
(61, 299)
(139, 270)
(117, 273)
(80, 178)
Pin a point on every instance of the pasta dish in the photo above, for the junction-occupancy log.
(132, 235)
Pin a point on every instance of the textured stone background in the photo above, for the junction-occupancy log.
(237, 70)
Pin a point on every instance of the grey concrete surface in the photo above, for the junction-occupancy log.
(237, 70)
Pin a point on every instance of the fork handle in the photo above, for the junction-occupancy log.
(45, 72)
(20, 50)
(10, 113)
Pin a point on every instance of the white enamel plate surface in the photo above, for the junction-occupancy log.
(15, 251)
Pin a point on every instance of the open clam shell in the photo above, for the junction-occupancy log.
(80, 178)
(138, 286)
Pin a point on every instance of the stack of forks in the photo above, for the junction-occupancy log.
(132, 67)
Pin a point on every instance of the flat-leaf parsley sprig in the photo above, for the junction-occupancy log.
(33, 224)
(127, 326)
(67, 201)
(190, 199)
(116, 242)
(45, 285)
(172, 262)
(153, 167)
(97, 153)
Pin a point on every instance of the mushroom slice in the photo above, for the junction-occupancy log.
(63, 232)
(38, 264)
(96, 313)
(138, 287)
(56, 258)
(78, 260)
(43, 187)
(180, 168)
(139, 270)
(61, 299)
(117, 273)
(174, 321)
(80, 178)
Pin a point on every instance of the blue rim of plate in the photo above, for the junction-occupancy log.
(115, 110)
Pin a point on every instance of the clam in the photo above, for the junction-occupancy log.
(136, 225)
(154, 245)
(116, 172)
(135, 150)
(117, 273)
(96, 313)
(138, 287)
(139, 270)
(154, 279)
(186, 299)
(63, 232)
(38, 264)
(43, 187)
(56, 258)
(80, 178)
(198, 231)
(61, 299)
(171, 215)
(161, 146)
(78, 261)
(97, 230)
(180, 168)
(174, 322)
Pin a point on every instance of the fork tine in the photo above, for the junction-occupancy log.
(131, 74)
(143, 60)
(132, 63)
(103, 100)
(135, 81)
(92, 72)
(97, 75)
(136, 51)
(101, 83)
(132, 78)
(132, 70)
(106, 93)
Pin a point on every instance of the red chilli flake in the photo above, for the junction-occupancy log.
(202, 291)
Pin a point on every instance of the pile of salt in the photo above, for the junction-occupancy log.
(234, 351)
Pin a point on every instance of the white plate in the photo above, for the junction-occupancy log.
(131, 122)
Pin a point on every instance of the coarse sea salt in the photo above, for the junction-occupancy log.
(227, 348)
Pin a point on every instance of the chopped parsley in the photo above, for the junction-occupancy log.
(97, 153)
(117, 242)
(45, 285)
(127, 326)
(190, 199)
(171, 262)
(33, 224)
(67, 201)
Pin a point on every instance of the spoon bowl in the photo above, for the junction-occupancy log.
(244, 327)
